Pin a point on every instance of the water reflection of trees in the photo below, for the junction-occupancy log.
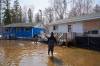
(13, 52)
(12, 56)
(2, 54)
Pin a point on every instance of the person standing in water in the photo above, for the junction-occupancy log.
(51, 42)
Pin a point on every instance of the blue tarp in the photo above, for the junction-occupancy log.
(22, 32)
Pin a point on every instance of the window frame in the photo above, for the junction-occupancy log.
(69, 28)
(55, 27)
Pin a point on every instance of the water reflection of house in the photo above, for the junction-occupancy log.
(77, 25)
(21, 30)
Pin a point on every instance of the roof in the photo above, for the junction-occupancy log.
(76, 19)
(20, 25)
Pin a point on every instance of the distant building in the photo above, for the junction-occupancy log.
(79, 25)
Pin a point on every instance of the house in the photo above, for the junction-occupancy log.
(78, 25)
(21, 30)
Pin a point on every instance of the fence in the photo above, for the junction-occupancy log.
(88, 42)
(65, 36)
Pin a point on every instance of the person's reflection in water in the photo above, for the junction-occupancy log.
(53, 61)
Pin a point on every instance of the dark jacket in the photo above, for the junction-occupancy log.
(51, 40)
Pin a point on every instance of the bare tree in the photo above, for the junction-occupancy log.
(81, 7)
(59, 7)
(40, 15)
(73, 12)
(37, 18)
(88, 6)
(24, 14)
(49, 14)
(97, 8)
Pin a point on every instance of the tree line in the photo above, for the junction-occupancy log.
(61, 9)
(58, 9)
(14, 14)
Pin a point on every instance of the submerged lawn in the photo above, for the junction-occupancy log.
(26, 53)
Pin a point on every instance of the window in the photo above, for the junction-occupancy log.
(95, 32)
(17, 29)
(27, 29)
(69, 28)
(7, 30)
(55, 27)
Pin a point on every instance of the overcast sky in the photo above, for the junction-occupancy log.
(39, 4)
(98, 2)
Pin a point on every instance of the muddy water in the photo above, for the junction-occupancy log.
(26, 53)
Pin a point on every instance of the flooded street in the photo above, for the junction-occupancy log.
(26, 53)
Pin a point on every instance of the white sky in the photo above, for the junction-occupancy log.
(36, 4)
(39, 4)
(98, 2)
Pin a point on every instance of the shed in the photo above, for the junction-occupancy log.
(21, 30)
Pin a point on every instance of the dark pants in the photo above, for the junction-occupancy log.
(50, 48)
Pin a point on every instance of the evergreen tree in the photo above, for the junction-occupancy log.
(30, 15)
(20, 14)
(16, 9)
(7, 16)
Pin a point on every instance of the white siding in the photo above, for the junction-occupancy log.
(50, 29)
(63, 28)
(99, 31)
(77, 27)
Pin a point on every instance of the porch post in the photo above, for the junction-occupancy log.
(32, 32)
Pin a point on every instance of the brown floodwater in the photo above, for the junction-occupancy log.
(27, 53)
